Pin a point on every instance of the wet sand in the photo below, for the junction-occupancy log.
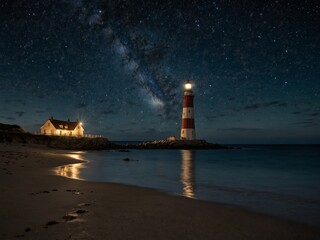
(37, 204)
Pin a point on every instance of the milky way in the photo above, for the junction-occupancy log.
(93, 14)
(120, 67)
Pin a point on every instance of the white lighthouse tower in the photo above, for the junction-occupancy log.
(188, 131)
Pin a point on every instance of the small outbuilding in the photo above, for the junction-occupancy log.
(171, 138)
(56, 127)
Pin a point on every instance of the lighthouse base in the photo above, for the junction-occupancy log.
(188, 134)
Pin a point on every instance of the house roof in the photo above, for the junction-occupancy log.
(66, 125)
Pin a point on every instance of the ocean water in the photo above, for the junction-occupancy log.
(281, 180)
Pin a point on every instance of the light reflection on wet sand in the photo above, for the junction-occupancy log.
(72, 170)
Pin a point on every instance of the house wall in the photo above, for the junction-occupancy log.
(78, 131)
(64, 132)
(48, 129)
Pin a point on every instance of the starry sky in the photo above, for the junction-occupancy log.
(119, 66)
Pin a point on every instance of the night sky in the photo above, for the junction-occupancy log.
(119, 66)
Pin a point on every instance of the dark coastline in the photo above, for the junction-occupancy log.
(83, 143)
(176, 144)
(15, 134)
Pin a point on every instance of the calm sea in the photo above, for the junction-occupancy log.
(282, 180)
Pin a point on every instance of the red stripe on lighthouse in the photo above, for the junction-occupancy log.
(188, 100)
(188, 123)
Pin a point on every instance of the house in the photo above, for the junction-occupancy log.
(62, 128)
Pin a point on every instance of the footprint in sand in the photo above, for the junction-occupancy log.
(69, 217)
(83, 204)
(76, 192)
(73, 216)
(50, 223)
(81, 211)
(44, 192)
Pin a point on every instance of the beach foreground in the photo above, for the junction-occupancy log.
(37, 204)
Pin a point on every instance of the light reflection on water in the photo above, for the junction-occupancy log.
(279, 180)
(187, 170)
(187, 173)
(72, 170)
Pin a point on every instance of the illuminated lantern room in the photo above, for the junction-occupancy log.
(188, 86)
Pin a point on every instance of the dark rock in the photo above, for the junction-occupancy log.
(10, 128)
(27, 230)
(179, 144)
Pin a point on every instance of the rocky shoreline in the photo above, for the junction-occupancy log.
(176, 144)
(15, 134)
(57, 142)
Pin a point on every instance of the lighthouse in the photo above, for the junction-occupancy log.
(188, 131)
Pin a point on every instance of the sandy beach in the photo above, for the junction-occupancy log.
(35, 203)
